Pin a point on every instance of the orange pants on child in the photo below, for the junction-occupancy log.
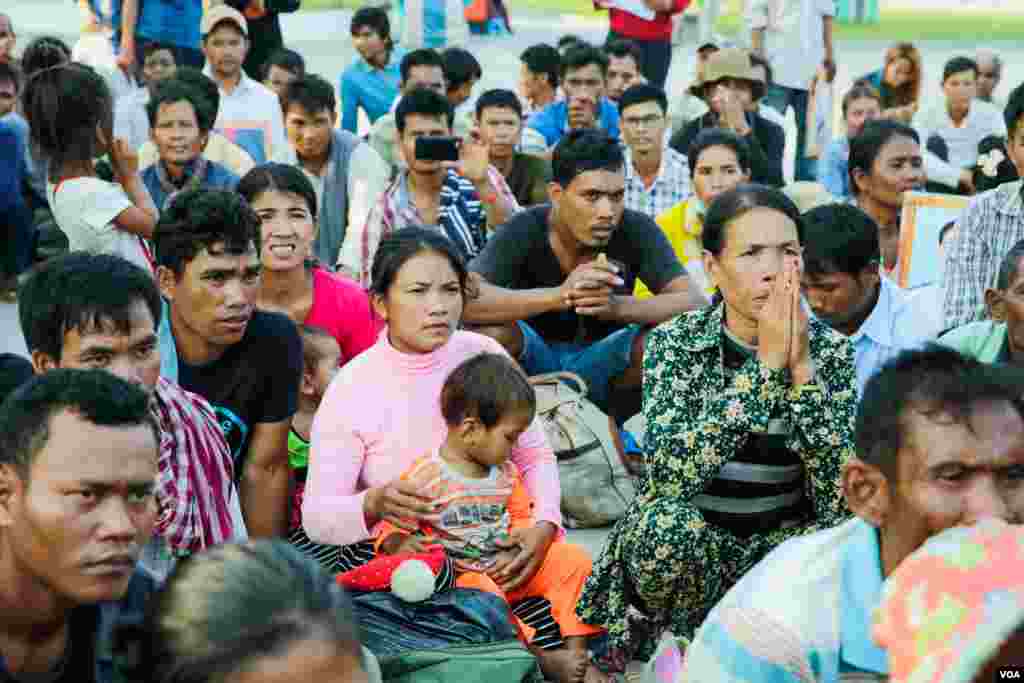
(559, 580)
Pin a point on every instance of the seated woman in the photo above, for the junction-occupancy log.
(886, 162)
(861, 104)
(749, 409)
(258, 611)
(382, 412)
(719, 161)
(292, 281)
(898, 82)
(180, 123)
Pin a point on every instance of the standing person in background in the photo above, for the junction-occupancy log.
(624, 60)
(432, 24)
(539, 68)
(264, 28)
(137, 22)
(990, 75)
(795, 37)
(953, 127)
(248, 107)
(371, 82)
(860, 105)
(653, 35)
(282, 67)
(898, 82)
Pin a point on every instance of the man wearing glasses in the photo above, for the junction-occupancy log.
(657, 177)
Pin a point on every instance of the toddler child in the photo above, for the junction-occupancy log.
(320, 357)
(70, 115)
(488, 403)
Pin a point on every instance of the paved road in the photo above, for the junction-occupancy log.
(324, 40)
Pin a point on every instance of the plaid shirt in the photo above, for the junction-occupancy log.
(670, 187)
(990, 225)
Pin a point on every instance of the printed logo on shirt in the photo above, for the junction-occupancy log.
(235, 430)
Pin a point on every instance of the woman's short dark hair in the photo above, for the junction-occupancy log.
(283, 58)
(719, 137)
(201, 219)
(543, 59)
(958, 65)
(374, 18)
(498, 98)
(868, 144)
(227, 606)
(399, 247)
(423, 102)
(173, 90)
(280, 178)
(581, 55)
(739, 201)
(311, 92)
(583, 150)
(488, 386)
(64, 105)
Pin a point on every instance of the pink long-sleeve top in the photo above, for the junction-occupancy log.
(380, 414)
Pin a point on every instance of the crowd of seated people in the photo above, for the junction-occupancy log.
(279, 331)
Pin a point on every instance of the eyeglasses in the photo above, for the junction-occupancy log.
(648, 121)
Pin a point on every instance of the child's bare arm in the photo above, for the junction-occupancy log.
(141, 218)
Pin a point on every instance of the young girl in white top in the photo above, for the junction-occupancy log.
(70, 113)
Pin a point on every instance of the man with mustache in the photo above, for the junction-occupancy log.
(584, 69)
(78, 461)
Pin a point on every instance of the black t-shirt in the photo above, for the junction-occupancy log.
(256, 380)
(78, 663)
(519, 256)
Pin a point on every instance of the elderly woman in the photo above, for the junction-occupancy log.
(886, 162)
(750, 408)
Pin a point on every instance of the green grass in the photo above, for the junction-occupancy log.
(897, 24)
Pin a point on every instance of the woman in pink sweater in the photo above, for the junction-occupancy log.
(382, 412)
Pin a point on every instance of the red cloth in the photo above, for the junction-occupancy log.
(342, 308)
(375, 575)
(632, 26)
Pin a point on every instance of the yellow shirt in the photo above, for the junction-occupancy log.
(683, 225)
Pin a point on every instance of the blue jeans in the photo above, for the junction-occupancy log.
(781, 98)
(597, 364)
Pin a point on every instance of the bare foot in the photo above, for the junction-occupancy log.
(562, 665)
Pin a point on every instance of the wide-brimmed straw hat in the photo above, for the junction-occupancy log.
(730, 62)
